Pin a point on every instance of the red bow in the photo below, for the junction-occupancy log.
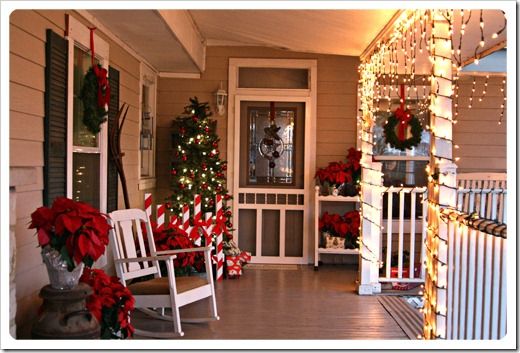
(103, 87)
(101, 75)
(404, 117)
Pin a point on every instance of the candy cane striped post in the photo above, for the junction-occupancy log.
(148, 204)
(160, 216)
(220, 245)
(208, 229)
(186, 218)
(195, 238)
(197, 208)
(220, 257)
(174, 221)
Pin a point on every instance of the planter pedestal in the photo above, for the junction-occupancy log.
(64, 315)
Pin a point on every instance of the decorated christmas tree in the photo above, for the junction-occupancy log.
(196, 164)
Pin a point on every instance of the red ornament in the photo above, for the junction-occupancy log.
(197, 141)
(215, 144)
(204, 186)
(182, 131)
(173, 172)
(184, 158)
(227, 197)
(206, 130)
(181, 186)
(224, 167)
(194, 118)
(204, 166)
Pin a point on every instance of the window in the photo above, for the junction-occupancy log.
(87, 152)
(148, 123)
(402, 167)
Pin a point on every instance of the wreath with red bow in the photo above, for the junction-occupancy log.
(95, 95)
(402, 119)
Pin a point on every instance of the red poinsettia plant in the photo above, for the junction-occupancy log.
(111, 303)
(78, 231)
(346, 226)
(337, 173)
(170, 237)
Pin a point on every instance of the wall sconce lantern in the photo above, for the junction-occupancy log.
(221, 95)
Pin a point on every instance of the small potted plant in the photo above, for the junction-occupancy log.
(71, 234)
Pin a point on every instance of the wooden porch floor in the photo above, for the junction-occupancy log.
(288, 304)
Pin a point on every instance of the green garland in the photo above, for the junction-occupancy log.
(93, 114)
(392, 139)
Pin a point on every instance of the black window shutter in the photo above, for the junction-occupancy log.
(55, 126)
(113, 108)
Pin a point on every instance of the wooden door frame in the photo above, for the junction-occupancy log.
(307, 96)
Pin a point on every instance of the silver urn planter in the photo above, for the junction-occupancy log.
(60, 277)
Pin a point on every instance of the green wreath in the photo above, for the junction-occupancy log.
(392, 139)
(93, 114)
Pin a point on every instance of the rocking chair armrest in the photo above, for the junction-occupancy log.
(179, 251)
(148, 258)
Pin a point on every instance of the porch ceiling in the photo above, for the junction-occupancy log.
(150, 32)
(341, 32)
(175, 40)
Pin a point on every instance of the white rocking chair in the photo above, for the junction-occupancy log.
(153, 295)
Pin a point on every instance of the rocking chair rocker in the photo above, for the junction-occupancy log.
(152, 296)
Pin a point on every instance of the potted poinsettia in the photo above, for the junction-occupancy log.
(344, 177)
(71, 234)
(342, 230)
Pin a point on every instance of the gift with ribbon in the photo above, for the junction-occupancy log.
(233, 267)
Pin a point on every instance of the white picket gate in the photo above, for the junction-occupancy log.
(480, 194)
(411, 226)
(476, 273)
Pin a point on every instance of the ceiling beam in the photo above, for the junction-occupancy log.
(183, 27)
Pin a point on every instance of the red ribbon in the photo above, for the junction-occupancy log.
(404, 117)
(92, 29)
(101, 73)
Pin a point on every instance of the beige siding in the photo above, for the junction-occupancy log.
(336, 103)
(482, 141)
(27, 85)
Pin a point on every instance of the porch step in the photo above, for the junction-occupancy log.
(409, 319)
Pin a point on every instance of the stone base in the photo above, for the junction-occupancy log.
(369, 289)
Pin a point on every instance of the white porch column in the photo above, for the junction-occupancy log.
(371, 187)
(441, 180)
(371, 208)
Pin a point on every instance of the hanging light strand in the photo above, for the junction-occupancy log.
(503, 105)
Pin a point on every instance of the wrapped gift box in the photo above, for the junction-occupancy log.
(233, 267)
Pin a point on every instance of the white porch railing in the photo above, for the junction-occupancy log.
(476, 278)
(411, 226)
(490, 203)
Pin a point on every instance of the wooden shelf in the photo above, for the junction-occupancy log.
(321, 200)
(338, 251)
(332, 198)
